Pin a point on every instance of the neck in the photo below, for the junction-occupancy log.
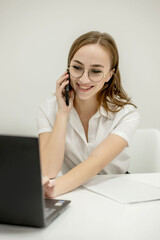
(86, 107)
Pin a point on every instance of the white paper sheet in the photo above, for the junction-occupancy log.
(123, 189)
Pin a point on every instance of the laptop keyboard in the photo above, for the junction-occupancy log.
(48, 211)
(52, 205)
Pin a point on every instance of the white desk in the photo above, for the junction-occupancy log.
(91, 216)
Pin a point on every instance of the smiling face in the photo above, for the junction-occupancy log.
(93, 58)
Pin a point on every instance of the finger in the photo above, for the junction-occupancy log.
(49, 192)
(50, 196)
(51, 184)
(45, 180)
(62, 86)
(65, 73)
(61, 90)
(62, 79)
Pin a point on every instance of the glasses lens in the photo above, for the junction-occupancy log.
(95, 75)
(76, 71)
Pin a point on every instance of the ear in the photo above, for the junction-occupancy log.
(110, 74)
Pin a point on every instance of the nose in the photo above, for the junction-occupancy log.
(84, 79)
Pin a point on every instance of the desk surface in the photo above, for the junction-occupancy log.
(91, 216)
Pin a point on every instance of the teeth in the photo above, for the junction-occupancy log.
(84, 87)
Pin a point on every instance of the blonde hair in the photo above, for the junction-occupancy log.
(112, 96)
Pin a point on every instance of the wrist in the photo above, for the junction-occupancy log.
(60, 186)
(62, 114)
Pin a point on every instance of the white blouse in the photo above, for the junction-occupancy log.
(77, 149)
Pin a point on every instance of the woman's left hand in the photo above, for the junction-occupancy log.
(48, 187)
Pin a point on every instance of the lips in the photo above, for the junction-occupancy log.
(84, 88)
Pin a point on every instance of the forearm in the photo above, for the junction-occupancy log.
(76, 177)
(102, 156)
(52, 150)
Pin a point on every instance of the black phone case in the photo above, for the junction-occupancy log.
(67, 88)
(67, 94)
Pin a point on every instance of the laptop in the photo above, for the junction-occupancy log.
(22, 200)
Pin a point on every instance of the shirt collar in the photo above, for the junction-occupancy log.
(76, 123)
(101, 112)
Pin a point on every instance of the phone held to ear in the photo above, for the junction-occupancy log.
(67, 89)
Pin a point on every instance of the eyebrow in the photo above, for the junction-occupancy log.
(93, 65)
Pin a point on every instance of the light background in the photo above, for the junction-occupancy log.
(36, 35)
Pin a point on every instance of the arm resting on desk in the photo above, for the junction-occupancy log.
(100, 157)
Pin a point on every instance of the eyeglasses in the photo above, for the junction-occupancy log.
(93, 74)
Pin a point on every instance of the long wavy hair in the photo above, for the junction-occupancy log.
(112, 96)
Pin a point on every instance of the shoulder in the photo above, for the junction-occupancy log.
(120, 112)
(46, 115)
(128, 110)
(126, 122)
(48, 109)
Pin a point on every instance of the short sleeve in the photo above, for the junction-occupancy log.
(127, 121)
(46, 115)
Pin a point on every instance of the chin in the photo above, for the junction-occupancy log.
(85, 98)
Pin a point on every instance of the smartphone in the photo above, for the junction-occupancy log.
(67, 89)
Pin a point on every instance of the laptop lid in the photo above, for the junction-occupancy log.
(22, 201)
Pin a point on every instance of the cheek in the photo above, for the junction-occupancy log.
(73, 84)
(101, 84)
(71, 80)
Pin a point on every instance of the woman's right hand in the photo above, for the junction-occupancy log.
(60, 90)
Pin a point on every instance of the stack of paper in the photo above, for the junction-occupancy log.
(122, 189)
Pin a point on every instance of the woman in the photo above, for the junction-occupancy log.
(91, 134)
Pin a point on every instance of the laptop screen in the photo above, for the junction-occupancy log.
(20, 181)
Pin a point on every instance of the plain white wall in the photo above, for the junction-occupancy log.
(35, 37)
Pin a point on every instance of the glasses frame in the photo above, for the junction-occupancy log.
(103, 75)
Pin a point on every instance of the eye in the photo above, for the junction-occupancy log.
(94, 71)
(75, 67)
